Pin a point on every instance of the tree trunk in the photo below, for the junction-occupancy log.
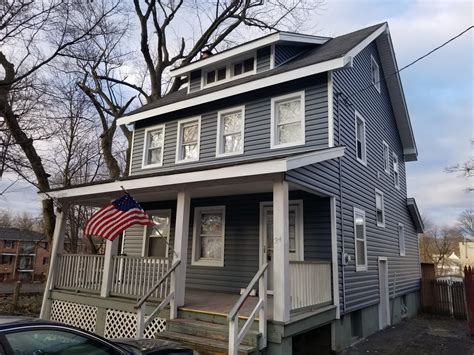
(106, 143)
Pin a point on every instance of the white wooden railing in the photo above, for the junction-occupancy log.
(80, 272)
(310, 283)
(134, 276)
(140, 306)
(236, 336)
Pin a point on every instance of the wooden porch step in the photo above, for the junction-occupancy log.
(211, 317)
(204, 346)
(208, 330)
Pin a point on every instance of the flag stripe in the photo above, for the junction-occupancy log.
(122, 220)
(98, 216)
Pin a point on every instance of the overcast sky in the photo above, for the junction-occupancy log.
(439, 92)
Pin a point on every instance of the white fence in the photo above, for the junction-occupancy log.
(310, 283)
(80, 272)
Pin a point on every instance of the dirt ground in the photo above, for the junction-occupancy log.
(423, 335)
(28, 305)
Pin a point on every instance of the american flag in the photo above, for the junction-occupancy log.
(113, 219)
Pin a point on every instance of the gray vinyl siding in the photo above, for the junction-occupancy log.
(133, 241)
(257, 129)
(284, 53)
(195, 81)
(241, 252)
(263, 59)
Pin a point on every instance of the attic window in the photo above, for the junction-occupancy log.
(216, 75)
(375, 73)
(244, 66)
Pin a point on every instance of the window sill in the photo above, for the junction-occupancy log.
(224, 155)
(151, 166)
(381, 225)
(186, 161)
(287, 145)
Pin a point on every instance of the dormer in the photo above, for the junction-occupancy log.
(247, 59)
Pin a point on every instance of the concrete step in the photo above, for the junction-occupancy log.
(204, 346)
(208, 330)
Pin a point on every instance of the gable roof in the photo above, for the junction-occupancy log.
(334, 54)
(9, 233)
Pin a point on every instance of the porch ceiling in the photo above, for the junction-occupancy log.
(230, 180)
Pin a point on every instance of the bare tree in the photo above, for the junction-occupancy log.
(32, 35)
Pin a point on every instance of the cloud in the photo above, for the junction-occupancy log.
(19, 197)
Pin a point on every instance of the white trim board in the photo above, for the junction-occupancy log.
(250, 169)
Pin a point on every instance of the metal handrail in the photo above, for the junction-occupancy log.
(147, 295)
(246, 293)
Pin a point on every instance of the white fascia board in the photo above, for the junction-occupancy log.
(357, 49)
(265, 41)
(237, 171)
(239, 89)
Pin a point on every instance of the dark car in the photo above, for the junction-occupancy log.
(26, 336)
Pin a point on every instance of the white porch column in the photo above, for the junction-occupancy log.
(281, 264)
(111, 249)
(56, 250)
(181, 236)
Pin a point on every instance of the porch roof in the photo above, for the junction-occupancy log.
(166, 184)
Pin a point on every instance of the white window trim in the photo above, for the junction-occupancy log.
(252, 72)
(146, 235)
(365, 266)
(375, 83)
(386, 168)
(274, 100)
(219, 146)
(178, 140)
(401, 239)
(395, 182)
(196, 234)
(363, 161)
(228, 71)
(378, 192)
(145, 147)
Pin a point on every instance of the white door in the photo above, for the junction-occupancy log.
(295, 235)
(384, 305)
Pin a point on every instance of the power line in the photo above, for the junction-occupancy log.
(409, 64)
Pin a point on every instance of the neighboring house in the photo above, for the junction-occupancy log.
(466, 254)
(24, 255)
(282, 162)
(447, 266)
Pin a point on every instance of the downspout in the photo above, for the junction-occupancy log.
(341, 208)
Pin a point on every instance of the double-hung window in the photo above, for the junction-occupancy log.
(379, 208)
(396, 171)
(230, 132)
(401, 239)
(208, 236)
(361, 150)
(158, 235)
(188, 140)
(386, 158)
(154, 143)
(375, 73)
(360, 240)
(288, 120)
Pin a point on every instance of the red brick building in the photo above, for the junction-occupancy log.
(24, 255)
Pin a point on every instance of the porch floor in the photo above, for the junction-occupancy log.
(221, 303)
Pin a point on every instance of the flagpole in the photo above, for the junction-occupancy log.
(153, 224)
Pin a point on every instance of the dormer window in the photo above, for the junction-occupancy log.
(245, 66)
(216, 75)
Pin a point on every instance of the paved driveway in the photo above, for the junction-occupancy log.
(423, 335)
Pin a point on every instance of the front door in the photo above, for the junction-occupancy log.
(384, 305)
(295, 235)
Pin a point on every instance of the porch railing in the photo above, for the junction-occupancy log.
(80, 272)
(310, 283)
(133, 276)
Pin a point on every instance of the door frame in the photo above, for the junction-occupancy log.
(145, 232)
(383, 260)
(262, 237)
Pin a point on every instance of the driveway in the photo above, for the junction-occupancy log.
(423, 335)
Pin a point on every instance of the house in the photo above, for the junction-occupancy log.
(448, 265)
(24, 255)
(466, 254)
(279, 172)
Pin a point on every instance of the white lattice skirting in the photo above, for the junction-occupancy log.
(75, 314)
(120, 324)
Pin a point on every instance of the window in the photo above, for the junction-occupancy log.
(6, 259)
(27, 248)
(386, 158)
(288, 123)
(396, 172)
(216, 75)
(230, 132)
(26, 263)
(360, 240)
(157, 244)
(401, 239)
(208, 236)
(375, 73)
(9, 244)
(361, 153)
(45, 260)
(379, 208)
(52, 341)
(188, 140)
(154, 144)
(245, 66)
